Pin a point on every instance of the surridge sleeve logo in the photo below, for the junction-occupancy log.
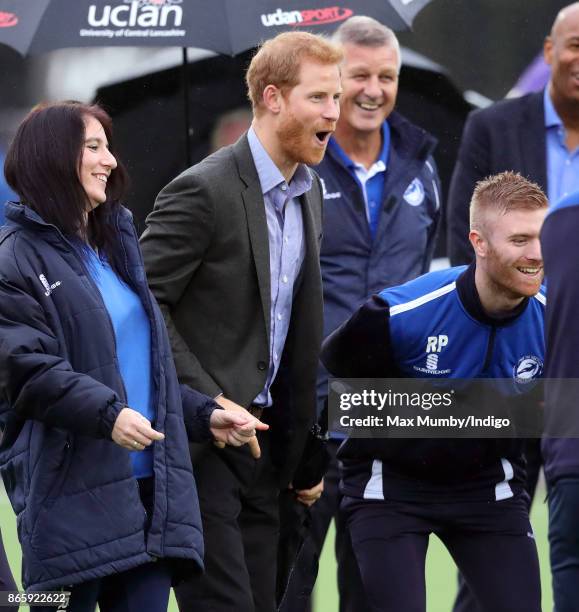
(327, 195)
(47, 286)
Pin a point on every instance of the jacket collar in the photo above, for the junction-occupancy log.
(408, 140)
(18, 213)
(470, 299)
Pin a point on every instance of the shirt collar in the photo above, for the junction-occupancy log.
(382, 157)
(552, 119)
(269, 174)
(301, 181)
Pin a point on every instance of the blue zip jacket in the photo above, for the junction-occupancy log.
(561, 256)
(389, 337)
(79, 514)
(354, 266)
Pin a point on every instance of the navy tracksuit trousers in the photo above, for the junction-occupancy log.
(491, 542)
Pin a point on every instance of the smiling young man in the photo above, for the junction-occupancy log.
(382, 206)
(232, 255)
(469, 492)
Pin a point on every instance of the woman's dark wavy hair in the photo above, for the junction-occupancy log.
(43, 167)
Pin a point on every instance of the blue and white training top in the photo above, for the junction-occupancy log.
(435, 327)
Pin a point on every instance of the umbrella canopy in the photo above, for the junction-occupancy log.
(224, 26)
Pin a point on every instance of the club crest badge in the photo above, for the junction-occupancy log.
(414, 194)
(527, 368)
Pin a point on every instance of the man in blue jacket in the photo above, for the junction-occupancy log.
(561, 455)
(381, 211)
(470, 493)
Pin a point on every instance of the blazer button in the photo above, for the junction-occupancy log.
(261, 365)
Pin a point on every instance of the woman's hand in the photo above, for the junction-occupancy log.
(235, 428)
(133, 431)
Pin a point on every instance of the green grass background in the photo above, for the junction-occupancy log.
(440, 569)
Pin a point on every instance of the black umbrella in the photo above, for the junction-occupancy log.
(224, 26)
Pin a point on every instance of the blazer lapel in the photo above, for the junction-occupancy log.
(531, 131)
(256, 224)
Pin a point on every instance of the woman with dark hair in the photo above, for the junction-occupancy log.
(94, 452)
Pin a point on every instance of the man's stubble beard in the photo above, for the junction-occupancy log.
(294, 141)
(502, 277)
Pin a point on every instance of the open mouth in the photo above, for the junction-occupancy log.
(323, 137)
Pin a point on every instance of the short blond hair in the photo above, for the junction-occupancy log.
(278, 62)
(503, 193)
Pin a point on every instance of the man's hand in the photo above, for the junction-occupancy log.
(133, 431)
(308, 497)
(234, 428)
(228, 405)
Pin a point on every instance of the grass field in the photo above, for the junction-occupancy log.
(440, 570)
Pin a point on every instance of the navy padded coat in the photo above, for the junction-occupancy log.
(79, 514)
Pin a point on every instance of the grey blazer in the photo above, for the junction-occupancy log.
(206, 254)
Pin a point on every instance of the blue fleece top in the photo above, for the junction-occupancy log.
(133, 337)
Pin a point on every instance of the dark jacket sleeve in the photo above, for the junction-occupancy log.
(179, 231)
(360, 347)
(36, 381)
(433, 229)
(197, 411)
(471, 166)
(561, 258)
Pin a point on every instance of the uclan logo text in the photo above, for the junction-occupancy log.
(8, 20)
(136, 13)
(306, 17)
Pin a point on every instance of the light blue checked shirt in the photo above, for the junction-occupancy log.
(286, 247)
